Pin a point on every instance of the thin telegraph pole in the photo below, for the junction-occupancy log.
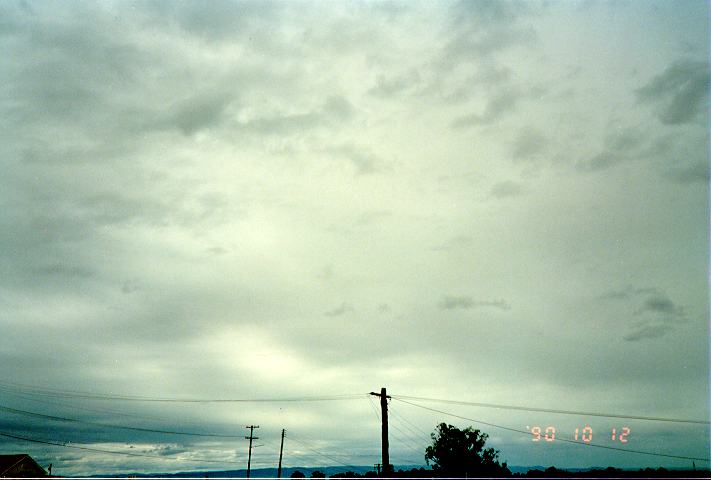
(281, 450)
(387, 468)
(250, 438)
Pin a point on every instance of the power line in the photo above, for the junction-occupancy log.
(405, 442)
(405, 439)
(27, 397)
(375, 409)
(557, 438)
(409, 460)
(113, 452)
(293, 453)
(98, 424)
(309, 444)
(409, 435)
(53, 392)
(411, 426)
(551, 410)
(412, 434)
(321, 454)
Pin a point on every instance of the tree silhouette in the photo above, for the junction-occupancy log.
(461, 453)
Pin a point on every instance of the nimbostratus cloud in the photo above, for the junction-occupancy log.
(257, 200)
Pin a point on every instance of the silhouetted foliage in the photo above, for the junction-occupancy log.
(414, 473)
(612, 472)
(298, 474)
(348, 474)
(461, 453)
(318, 474)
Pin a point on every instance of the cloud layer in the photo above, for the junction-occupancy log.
(489, 201)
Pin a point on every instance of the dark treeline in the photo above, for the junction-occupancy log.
(612, 472)
(550, 472)
(414, 473)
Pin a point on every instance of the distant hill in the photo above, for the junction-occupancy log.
(517, 470)
(255, 473)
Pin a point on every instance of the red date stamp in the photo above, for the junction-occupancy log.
(584, 434)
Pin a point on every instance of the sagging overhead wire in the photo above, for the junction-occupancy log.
(74, 406)
(405, 441)
(305, 444)
(107, 425)
(552, 410)
(375, 409)
(417, 431)
(113, 452)
(641, 452)
(53, 392)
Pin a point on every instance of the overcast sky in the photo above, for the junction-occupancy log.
(484, 201)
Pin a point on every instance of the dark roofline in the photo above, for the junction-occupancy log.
(21, 457)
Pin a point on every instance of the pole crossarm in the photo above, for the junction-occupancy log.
(379, 394)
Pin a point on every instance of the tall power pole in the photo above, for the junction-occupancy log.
(281, 450)
(387, 468)
(250, 438)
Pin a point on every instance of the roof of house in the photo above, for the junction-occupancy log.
(10, 462)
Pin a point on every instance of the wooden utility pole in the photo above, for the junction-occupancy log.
(281, 450)
(250, 438)
(387, 468)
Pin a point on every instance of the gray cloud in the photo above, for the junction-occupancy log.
(363, 160)
(223, 21)
(166, 449)
(197, 113)
(680, 92)
(695, 173)
(130, 286)
(389, 87)
(661, 304)
(529, 143)
(496, 107)
(484, 13)
(451, 302)
(488, 77)
(682, 157)
(626, 293)
(619, 145)
(647, 332)
(656, 315)
(483, 28)
(340, 310)
(500, 103)
(598, 162)
(653, 295)
(506, 189)
(338, 108)
(64, 270)
(335, 109)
